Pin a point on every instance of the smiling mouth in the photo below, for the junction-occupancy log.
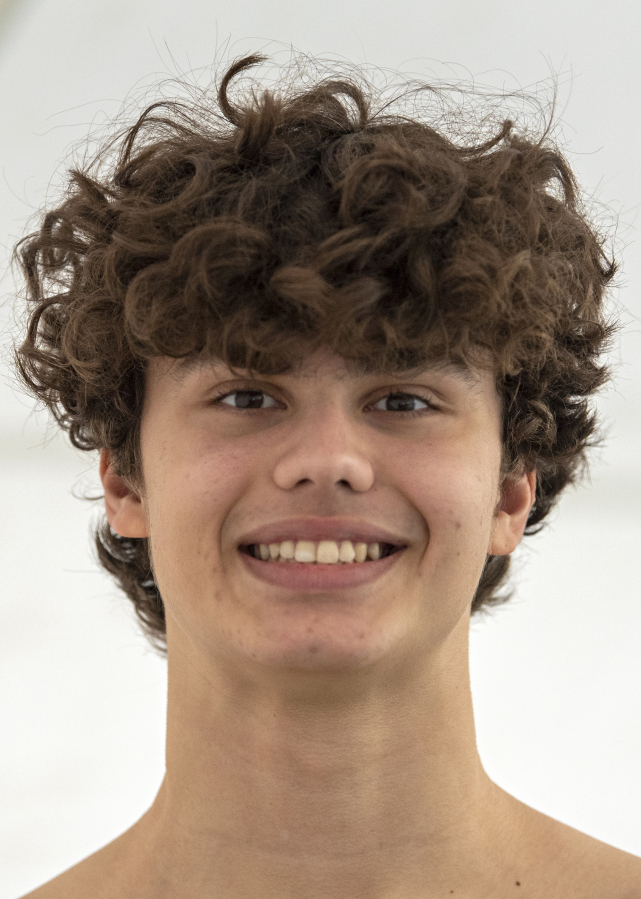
(323, 552)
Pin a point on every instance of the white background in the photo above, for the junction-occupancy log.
(556, 675)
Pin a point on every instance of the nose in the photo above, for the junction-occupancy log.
(325, 453)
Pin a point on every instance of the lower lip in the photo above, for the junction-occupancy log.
(311, 576)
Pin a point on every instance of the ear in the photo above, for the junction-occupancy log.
(510, 518)
(124, 507)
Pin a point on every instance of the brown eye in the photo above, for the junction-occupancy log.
(401, 402)
(248, 399)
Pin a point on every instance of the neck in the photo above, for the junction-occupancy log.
(367, 792)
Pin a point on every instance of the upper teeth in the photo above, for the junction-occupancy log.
(325, 551)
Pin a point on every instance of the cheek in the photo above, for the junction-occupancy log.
(455, 494)
(459, 525)
(190, 495)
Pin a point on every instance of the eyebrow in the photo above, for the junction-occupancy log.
(183, 367)
(458, 369)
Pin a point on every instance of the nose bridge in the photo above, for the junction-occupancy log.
(325, 450)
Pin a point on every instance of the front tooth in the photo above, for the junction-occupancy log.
(305, 551)
(374, 551)
(327, 552)
(360, 552)
(287, 550)
(346, 552)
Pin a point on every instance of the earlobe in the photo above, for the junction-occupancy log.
(517, 498)
(124, 507)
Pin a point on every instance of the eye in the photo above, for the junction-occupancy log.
(402, 402)
(247, 399)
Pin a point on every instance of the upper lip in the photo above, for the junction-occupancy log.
(315, 529)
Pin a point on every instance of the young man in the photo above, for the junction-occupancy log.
(336, 366)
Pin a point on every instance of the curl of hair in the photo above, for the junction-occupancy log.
(259, 231)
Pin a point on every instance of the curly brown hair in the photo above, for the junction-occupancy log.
(260, 230)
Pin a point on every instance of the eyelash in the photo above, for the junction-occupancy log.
(406, 413)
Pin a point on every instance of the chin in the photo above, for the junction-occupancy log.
(317, 648)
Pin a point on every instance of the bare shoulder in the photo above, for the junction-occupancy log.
(60, 886)
(97, 876)
(612, 873)
(570, 864)
(551, 861)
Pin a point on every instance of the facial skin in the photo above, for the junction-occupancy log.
(319, 740)
(325, 444)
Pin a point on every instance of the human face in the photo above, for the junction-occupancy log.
(326, 452)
